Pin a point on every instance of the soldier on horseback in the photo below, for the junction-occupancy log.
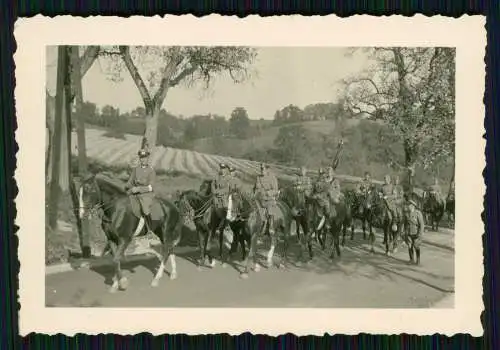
(435, 190)
(388, 194)
(234, 190)
(303, 183)
(320, 194)
(266, 189)
(366, 184)
(221, 188)
(140, 186)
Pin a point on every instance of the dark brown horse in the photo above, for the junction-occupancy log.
(379, 216)
(300, 207)
(257, 225)
(434, 208)
(120, 221)
(333, 225)
(357, 202)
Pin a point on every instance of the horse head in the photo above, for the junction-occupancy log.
(206, 188)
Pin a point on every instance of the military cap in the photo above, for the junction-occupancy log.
(412, 202)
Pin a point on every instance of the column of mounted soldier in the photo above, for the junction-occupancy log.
(401, 212)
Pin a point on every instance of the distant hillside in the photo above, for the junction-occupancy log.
(235, 147)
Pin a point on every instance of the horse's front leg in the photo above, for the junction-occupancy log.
(202, 234)
(336, 237)
(222, 257)
(308, 239)
(119, 281)
(284, 260)
(250, 257)
(372, 236)
(272, 234)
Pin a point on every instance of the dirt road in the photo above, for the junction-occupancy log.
(359, 279)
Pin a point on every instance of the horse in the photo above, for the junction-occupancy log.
(434, 207)
(357, 202)
(121, 215)
(257, 225)
(379, 216)
(338, 221)
(300, 207)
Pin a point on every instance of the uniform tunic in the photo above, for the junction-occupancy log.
(365, 186)
(414, 227)
(388, 192)
(303, 184)
(142, 177)
(266, 189)
(220, 189)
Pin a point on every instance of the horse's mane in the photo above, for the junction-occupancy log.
(110, 185)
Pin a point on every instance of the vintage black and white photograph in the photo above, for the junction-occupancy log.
(296, 169)
(240, 176)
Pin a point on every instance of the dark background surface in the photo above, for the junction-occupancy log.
(8, 242)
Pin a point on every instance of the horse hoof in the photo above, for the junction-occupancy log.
(282, 266)
(173, 275)
(244, 276)
(113, 289)
(269, 264)
(256, 268)
(224, 265)
(123, 283)
(155, 283)
(299, 263)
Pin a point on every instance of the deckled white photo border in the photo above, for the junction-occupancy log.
(467, 34)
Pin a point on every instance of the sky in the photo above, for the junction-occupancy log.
(284, 75)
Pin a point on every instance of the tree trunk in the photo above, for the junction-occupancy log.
(410, 160)
(151, 131)
(79, 125)
(54, 187)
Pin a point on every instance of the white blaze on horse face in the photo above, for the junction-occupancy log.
(140, 225)
(321, 223)
(229, 215)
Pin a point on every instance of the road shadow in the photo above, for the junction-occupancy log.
(356, 254)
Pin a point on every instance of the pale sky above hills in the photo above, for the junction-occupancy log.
(299, 76)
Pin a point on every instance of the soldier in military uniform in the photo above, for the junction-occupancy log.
(413, 230)
(220, 189)
(303, 183)
(366, 184)
(387, 192)
(435, 190)
(320, 194)
(266, 189)
(234, 191)
(141, 184)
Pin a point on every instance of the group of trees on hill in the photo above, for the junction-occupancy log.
(312, 112)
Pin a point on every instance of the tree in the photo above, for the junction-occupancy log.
(412, 90)
(239, 123)
(156, 69)
(294, 145)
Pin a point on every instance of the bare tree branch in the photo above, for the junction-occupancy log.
(88, 58)
(139, 82)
